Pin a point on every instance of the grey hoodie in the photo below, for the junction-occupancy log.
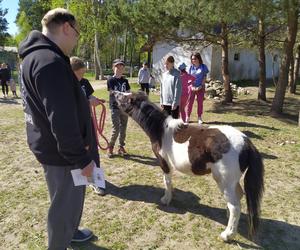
(170, 88)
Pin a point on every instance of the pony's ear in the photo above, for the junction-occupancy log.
(141, 95)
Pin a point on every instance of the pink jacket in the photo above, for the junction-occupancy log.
(186, 81)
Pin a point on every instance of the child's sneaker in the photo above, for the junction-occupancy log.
(122, 151)
(98, 190)
(200, 121)
(110, 152)
(187, 120)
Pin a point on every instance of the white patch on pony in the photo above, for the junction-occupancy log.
(235, 136)
(227, 174)
(227, 168)
(176, 154)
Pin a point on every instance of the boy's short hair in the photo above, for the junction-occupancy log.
(170, 59)
(76, 63)
(57, 17)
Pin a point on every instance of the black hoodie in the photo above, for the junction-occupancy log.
(57, 114)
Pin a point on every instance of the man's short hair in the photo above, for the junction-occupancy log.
(57, 17)
(76, 63)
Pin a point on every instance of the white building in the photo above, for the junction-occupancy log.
(243, 63)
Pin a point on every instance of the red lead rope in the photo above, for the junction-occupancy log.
(99, 124)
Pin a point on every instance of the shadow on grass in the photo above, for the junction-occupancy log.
(273, 234)
(149, 161)
(250, 107)
(10, 101)
(242, 124)
(88, 245)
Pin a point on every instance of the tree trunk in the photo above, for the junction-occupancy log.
(225, 70)
(125, 45)
(98, 67)
(149, 57)
(296, 70)
(277, 104)
(131, 54)
(262, 61)
(115, 46)
(291, 80)
(97, 62)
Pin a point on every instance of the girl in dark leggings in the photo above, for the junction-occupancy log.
(5, 76)
(4, 88)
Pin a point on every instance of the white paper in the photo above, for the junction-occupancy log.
(97, 178)
(78, 179)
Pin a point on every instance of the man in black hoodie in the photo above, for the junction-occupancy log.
(58, 122)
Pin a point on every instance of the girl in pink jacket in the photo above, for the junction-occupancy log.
(187, 82)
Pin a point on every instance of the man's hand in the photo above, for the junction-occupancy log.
(174, 106)
(88, 169)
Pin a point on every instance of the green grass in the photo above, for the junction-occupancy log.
(130, 215)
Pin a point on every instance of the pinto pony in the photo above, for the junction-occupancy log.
(197, 150)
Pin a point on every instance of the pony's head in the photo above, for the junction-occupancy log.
(128, 101)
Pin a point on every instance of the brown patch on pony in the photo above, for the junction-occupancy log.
(162, 162)
(206, 145)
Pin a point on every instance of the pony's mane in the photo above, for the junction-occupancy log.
(148, 116)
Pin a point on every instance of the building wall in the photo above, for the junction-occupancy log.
(180, 53)
(9, 58)
(245, 67)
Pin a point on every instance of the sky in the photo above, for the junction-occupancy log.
(12, 6)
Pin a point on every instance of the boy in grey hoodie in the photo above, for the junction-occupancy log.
(170, 89)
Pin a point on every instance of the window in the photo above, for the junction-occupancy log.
(236, 57)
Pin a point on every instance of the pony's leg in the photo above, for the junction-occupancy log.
(166, 199)
(232, 194)
(234, 207)
(239, 192)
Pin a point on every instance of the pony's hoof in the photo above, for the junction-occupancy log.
(226, 236)
(165, 200)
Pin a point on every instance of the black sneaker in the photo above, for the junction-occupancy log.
(82, 235)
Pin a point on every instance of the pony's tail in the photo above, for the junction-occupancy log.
(254, 187)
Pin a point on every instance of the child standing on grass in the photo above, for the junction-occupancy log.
(13, 88)
(4, 78)
(187, 82)
(144, 78)
(170, 89)
(79, 69)
(199, 70)
(119, 120)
